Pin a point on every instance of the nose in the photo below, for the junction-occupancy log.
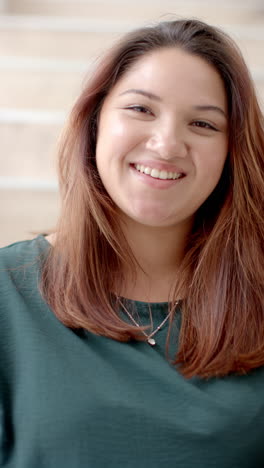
(168, 142)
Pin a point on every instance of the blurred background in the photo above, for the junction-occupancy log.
(47, 48)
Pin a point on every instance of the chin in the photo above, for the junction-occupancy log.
(152, 220)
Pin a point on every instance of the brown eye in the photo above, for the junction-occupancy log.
(202, 124)
(140, 109)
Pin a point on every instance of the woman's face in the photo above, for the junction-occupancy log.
(163, 137)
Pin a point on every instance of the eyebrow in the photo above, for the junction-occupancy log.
(211, 108)
(157, 98)
(142, 92)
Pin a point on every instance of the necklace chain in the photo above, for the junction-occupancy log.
(150, 340)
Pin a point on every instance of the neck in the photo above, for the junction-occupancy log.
(158, 252)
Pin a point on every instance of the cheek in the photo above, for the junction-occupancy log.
(111, 126)
(117, 144)
(213, 158)
(111, 143)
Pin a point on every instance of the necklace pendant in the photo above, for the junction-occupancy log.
(151, 341)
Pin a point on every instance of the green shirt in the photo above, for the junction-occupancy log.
(73, 399)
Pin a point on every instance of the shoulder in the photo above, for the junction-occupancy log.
(20, 264)
(22, 252)
(20, 268)
(21, 305)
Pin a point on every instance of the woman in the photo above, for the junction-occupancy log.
(133, 335)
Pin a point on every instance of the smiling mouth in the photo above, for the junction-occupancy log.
(157, 174)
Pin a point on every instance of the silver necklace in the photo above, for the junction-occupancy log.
(150, 340)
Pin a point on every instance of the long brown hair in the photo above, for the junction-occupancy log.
(222, 328)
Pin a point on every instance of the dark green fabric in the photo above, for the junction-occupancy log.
(76, 400)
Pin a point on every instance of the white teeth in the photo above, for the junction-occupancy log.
(155, 173)
(164, 175)
(147, 170)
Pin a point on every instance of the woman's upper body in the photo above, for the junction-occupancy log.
(160, 238)
(76, 399)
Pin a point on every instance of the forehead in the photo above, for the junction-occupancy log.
(173, 72)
